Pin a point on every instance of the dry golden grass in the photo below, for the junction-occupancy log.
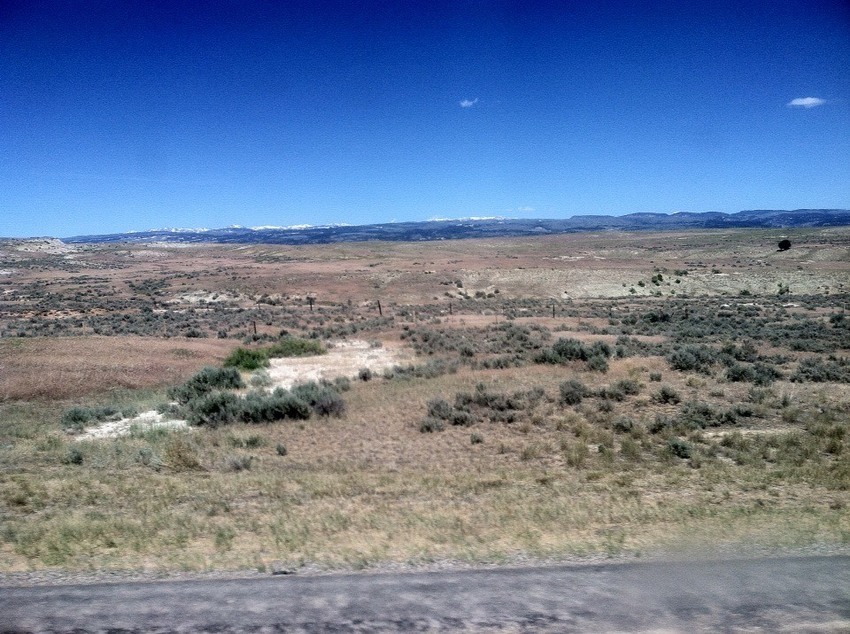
(369, 488)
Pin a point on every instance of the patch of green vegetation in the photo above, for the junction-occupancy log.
(251, 359)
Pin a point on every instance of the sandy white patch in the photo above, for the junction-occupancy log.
(112, 429)
(205, 297)
(345, 358)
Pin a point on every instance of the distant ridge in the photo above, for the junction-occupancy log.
(444, 229)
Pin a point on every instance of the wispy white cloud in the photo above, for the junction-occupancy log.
(806, 102)
(525, 209)
(468, 103)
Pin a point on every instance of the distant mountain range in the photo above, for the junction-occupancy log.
(482, 228)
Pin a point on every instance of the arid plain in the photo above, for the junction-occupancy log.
(512, 400)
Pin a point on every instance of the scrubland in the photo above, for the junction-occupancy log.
(569, 396)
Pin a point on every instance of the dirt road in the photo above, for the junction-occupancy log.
(804, 594)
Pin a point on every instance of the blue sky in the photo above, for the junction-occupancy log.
(120, 116)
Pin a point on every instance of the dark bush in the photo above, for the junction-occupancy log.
(692, 358)
(661, 423)
(758, 373)
(679, 448)
(365, 374)
(206, 381)
(439, 408)
(430, 425)
(213, 409)
(666, 394)
(697, 415)
(818, 370)
(598, 363)
(572, 392)
(73, 456)
(329, 403)
(460, 418)
(78, 417)
(611, 393)
(266, 408)
(567, 349)
(324, 400)
(628, 386)
(739, 373)
(624, 425)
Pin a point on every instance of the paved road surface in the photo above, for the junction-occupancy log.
(806, 594)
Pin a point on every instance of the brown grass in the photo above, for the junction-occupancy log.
(71, 367)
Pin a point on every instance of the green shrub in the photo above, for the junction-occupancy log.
(758, 373)
(329, 403)
(261, 378)
(430, 425)
(572, 392)
(324, 399)
(78, 417)
(281, 449)
(598, 363)
(679, 448)
(213, 409)
(250, 359)
(342, 383)
(268, 408)
(247, 359)
(206, 381)
(697, 415)
(660, 424)
(692, 358)
(628, 386)
(365, 374)
(666, 394)
(567, 349)
(295, 347)
(74, 455)
(439, 408)
(460, 418)
(611, 393)
(819, 370)
(624, 425)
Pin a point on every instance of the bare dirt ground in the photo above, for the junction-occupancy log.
(150, 419)
(344, 358)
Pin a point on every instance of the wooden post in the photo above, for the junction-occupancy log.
(380, 312)
(255, 327)
(450, 308)
(553, 310)
(310, 300)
